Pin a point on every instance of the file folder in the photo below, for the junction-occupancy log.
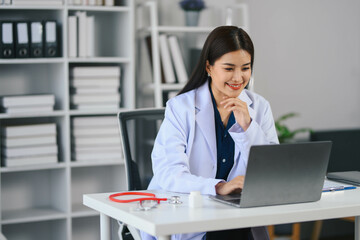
(50, 40)
(21, 40)
(7, 40)
(36, 39)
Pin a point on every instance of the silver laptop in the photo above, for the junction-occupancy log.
(282, 174)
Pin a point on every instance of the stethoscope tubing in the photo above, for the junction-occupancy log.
(150, 196)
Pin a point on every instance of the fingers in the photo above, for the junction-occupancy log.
(233, 186)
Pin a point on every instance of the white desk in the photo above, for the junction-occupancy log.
(167, 219)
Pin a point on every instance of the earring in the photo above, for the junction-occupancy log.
(208, 74)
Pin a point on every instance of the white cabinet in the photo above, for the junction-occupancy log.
(45, 201)
(190, 40)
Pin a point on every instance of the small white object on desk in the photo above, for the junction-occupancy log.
(195, 199)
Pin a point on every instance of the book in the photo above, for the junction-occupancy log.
(28, 109)
(96, 131)
(96, 106)
(29, 141)
(72, 36)
(89, 90)
(95, 82)
(27, 100)
(148, 43)
(29, 130)
(179, 65)
(95, 71)
(166, 59)
(89, 141)
(330, 186)
(29, 160)
(30, 151)
(97, 155)
(95, 98)
(94, 149)
(81, 33)
(98, 122)
(90, 36)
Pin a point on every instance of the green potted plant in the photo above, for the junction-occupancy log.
(192, 10)
(284, 133)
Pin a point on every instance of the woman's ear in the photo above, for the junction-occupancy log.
(207, 67)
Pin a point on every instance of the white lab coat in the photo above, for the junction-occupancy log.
(184, 156)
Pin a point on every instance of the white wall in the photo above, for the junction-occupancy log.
(307, 56)
(308, 59)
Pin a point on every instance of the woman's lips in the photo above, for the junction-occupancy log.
(234, 86)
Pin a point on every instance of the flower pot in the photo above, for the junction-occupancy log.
(192, 18)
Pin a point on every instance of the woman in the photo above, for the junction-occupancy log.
(204, 141)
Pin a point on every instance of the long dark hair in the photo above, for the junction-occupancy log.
(220, 41)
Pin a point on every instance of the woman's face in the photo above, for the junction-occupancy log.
(230, 74)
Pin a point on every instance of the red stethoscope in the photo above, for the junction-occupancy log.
(146, 197)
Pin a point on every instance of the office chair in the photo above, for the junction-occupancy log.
(345, 155)
(294, 235)
(138, 129)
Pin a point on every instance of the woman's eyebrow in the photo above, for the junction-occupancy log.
(233, 65)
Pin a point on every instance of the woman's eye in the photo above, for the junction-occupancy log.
(228, 69)
(246, 68)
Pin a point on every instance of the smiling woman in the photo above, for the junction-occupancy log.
(204, 141)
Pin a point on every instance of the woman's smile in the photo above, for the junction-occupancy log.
(234, 86)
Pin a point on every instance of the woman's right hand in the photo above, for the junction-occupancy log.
(233, 186)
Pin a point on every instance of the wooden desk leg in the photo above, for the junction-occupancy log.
(105, 228)
(164, 238)
(316, 230)
(357, 228)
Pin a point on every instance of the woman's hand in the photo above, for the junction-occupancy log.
(240, 110)
(233, 186)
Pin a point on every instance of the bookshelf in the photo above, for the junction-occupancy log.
(44, 201)
(189, 38)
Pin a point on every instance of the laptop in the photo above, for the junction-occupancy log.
(282, 174)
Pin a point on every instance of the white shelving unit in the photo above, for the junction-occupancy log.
(45, 201)
(188, 37)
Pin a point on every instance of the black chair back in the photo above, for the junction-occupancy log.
(138, 129)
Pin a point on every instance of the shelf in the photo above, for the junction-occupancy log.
(56, 113)
(31, 215)
(32, 168)
(32, 60)
(99, 8)
(79, 210)
(181, 29)
(100, 60)
(31, 7)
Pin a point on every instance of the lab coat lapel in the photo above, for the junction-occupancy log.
(205, 117)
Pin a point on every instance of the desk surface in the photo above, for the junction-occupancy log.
(167, 219)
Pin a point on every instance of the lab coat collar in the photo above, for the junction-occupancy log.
(205, 115)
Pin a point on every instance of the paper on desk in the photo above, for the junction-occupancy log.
(336, 186)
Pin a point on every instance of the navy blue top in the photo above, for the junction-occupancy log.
(225, 145)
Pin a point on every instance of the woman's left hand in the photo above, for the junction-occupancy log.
(240, 110)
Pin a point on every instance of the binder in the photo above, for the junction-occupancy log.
(50, 40)
(22, 40)
(7, 40)
(36, 39)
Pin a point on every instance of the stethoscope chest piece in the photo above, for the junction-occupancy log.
(175, 200)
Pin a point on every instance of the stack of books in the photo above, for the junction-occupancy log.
(96, 139)
(29, 145)
(27, 103)
(95, 87)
